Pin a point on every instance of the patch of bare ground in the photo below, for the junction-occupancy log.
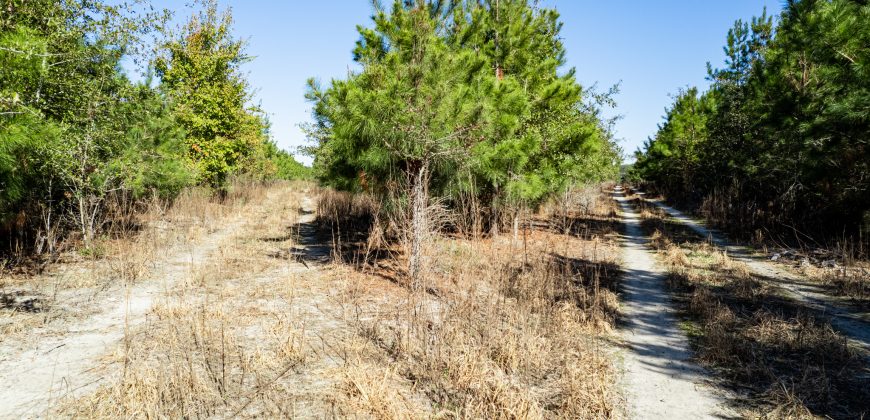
(55, 352)
(250, 332)
(503, 328)
(784, 357)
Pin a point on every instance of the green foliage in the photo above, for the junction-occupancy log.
(672, 158)
(784, 127)
(152, 161)
(73, 129)
(467, 92)
(288, 168)
(200, 71)
(408, 110)
(23, 139)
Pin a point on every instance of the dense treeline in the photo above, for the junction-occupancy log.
(78, 136)
(780, 140)
(463, 102)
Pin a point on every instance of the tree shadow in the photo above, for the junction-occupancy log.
(774, 350)
(319, 242)
(558, 278)
(21, 301)
(589, 226)
(589, 274)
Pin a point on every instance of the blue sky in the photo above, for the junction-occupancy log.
(652, 48)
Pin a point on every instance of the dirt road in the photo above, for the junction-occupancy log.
(660, 379)
(58, 361)
(854, 325)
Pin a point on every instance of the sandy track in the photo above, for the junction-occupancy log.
(853, 325)
(62, 361)
(659, 377)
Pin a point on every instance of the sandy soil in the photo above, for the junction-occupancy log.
(854, 325)
(73, 358)
(660, 379)
(63, 359)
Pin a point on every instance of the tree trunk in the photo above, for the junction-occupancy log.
(83, 222)
(419, 225)
(516, 224)
(494, 214)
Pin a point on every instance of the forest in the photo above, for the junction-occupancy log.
(467, 237)
(81, 145)
(778, 144)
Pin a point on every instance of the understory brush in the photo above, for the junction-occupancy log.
(504, 328)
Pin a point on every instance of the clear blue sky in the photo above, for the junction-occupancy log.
(652, 47)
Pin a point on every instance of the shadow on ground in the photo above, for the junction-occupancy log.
(777, 353)
(21, 301)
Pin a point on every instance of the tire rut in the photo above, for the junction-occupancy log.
(660, 378)
(855, 326)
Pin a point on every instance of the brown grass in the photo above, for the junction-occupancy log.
(850, 280)
(224, 340)
(69, 287)
(505, 330)
(788, 360)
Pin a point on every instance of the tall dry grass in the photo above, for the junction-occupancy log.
(504, 329)
(141, 238)
(224, 340)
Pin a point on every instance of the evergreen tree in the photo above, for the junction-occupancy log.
(73, 128)
(406, 117)
(786, 142)
(458, 98)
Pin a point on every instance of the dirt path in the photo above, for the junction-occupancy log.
(854, 325)
(660, 379)
(63, 360)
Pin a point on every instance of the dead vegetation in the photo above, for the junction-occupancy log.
(786, 359)
(504, 329)
(260, 327)
(840, 266)
(844, 277)
(34, 294)
(224, 340)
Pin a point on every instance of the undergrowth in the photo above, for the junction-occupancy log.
(785, 358)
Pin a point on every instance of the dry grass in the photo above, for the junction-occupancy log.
(850, 280)
(503, 328)
(224, 340)
(787, 359)
(506, 329)
(69, 287)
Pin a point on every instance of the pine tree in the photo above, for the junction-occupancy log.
(458, 98)
(789, 126)
(405, 118)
